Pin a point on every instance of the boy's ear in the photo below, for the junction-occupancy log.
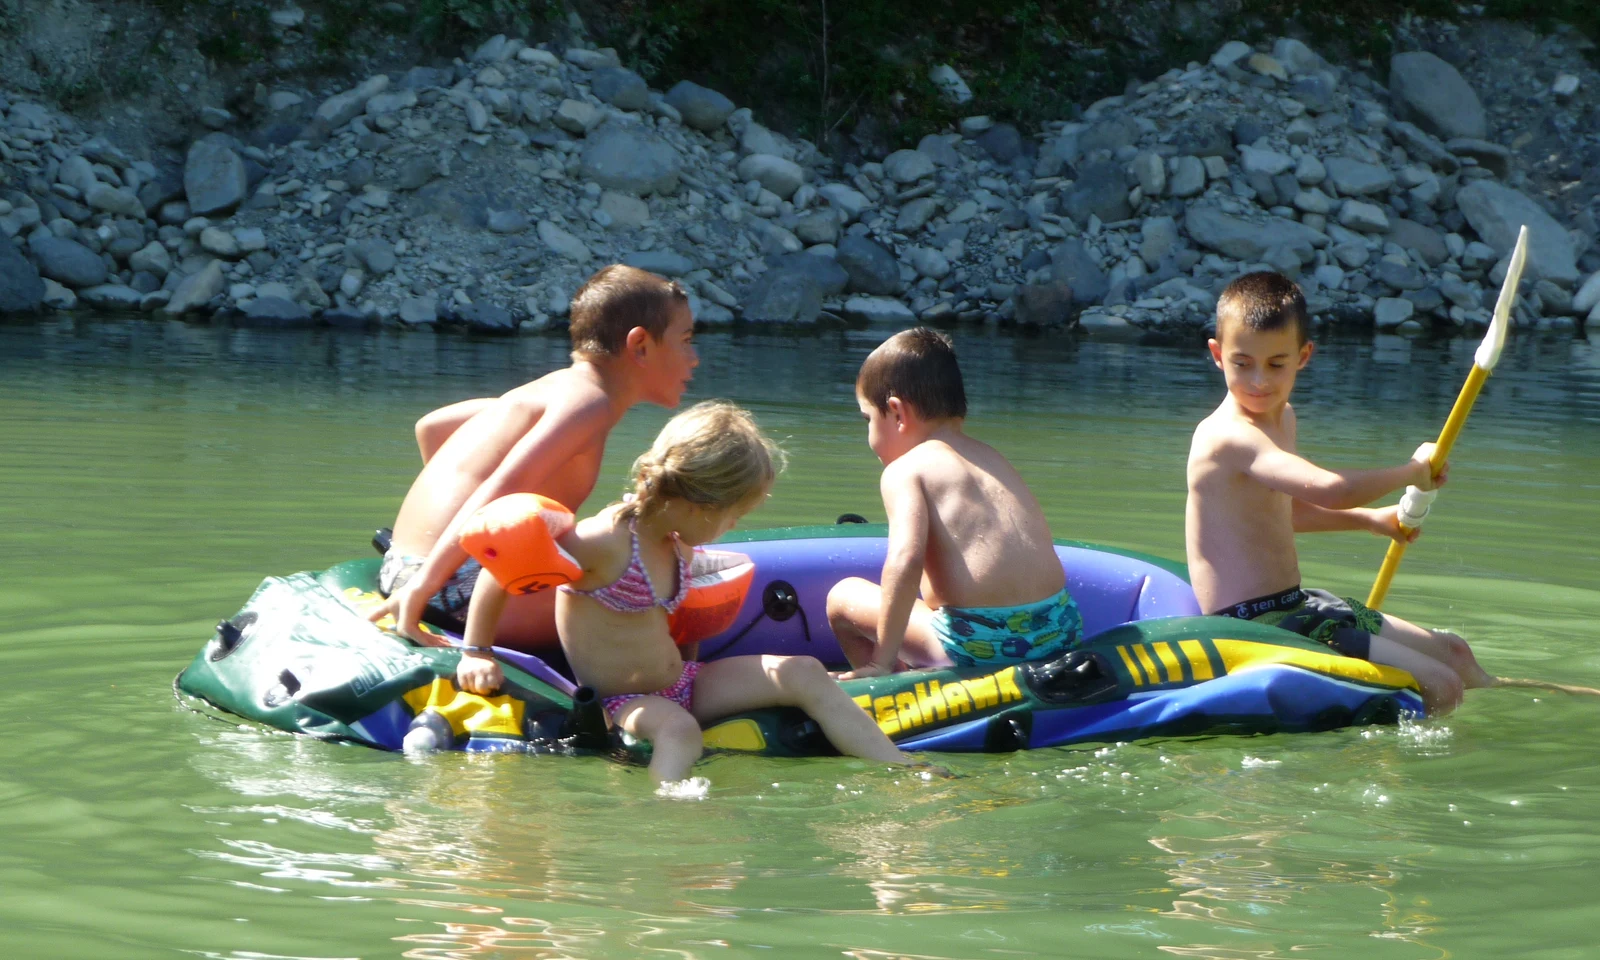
(896, 411)
(637, 341)
(1216, 352)
(1306, 350)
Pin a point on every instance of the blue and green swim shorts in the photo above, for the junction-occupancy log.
(984, 636)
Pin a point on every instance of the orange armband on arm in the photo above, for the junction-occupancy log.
(719, 580)
(514, 538)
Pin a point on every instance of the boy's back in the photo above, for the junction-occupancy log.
(988, 544)
(483, 443)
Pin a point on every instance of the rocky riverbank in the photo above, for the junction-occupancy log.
(482, 193)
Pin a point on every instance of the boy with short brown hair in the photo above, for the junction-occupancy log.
(633, 342)
(963, 528)
(1250, 493)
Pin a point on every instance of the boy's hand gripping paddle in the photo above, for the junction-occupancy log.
(1415, 504)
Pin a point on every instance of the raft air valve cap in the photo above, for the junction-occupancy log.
(429, 731)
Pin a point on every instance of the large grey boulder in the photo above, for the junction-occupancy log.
(782, 177)
(631, 161)
(214, 177)
(1072, 265)
(830, 277)
(1411, 235)
(908, 166)
(1497, 213)
(1102, 191)
(620, 87)
(341, 108)
(274, 312)
(1434, 95)
(1352, 178)
(67, 261)
(872, 269)
(662, 262)
(784, 295)
(1247, 240)
(111, 296)
(196, 290)
(21, 289)
(701, 107)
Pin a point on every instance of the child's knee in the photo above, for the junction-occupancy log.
(680, 731)
(802, 675)
(1443, 684)
(1457, 652)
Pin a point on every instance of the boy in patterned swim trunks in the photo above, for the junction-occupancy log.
(1250, 493)
(963, 528)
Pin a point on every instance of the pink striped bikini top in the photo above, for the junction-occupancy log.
(633, 592)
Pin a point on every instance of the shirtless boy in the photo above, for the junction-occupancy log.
(1250, 493)
(632, 342)
(963, 528)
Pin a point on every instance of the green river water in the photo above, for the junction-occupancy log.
(153, 473)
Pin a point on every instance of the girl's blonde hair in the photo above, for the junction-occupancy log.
(712, 454)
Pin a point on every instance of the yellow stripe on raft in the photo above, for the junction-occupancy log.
(1199, 660)
(1133, 668)
(736, 735)
(1169, 659)
(468, 712)
(1241, 655)
(1148, 664)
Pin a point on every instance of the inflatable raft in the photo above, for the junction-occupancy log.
(302, 657)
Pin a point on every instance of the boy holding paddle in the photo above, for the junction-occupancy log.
(1250, 493)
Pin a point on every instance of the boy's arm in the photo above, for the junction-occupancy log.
(438, 426)
(1278, 469)
(555, 439)
(907, 509)
(1383, 521)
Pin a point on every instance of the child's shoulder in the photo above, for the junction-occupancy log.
(1227, 431)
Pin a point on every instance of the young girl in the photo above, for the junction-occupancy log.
(709, 466)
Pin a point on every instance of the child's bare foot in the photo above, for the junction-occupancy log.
(931, 771)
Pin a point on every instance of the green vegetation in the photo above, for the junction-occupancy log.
(818, 67)
(812, 67)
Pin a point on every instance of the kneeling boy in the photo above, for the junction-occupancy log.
(963, 528)
(1249, 493)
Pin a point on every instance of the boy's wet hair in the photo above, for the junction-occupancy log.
(918, 366)
(1264, 300)
(712, 454)
(617, 299)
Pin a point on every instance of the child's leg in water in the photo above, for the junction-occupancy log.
(674, 735)
(738, 684)
(1441, 645)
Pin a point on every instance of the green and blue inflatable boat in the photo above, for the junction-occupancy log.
(302, 657)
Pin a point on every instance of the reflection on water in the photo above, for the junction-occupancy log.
(155, 471)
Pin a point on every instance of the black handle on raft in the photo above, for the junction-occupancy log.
(779, 601)
(585, 727)
(850, 518)
(382, 538)
(1080, 677)
(230, 633)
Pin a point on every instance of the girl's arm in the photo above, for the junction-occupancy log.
(478, 671)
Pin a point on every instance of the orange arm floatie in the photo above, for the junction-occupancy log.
(718, 583)
(514, 538)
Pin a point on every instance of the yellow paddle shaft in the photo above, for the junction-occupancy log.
(1441, 453)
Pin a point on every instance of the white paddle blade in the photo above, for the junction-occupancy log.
(1495, 340)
